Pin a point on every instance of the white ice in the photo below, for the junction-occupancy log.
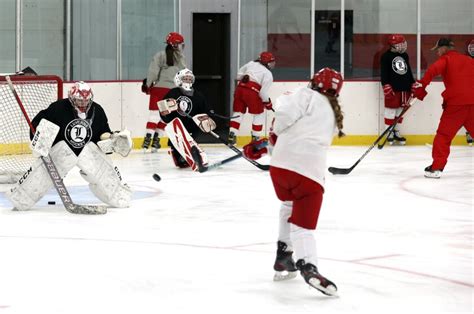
(392, 240)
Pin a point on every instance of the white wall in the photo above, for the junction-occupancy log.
(361, 102)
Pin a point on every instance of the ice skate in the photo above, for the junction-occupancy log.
(433, 174)
(397, 138)
(146, 142)
(315, 279)
(155, 144)
(469, 139)
(284, 266)
(232, 139)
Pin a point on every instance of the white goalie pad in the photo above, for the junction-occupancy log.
(118, 142)
(44, 137)
(183, 142)
(35, 182)
(104, 179)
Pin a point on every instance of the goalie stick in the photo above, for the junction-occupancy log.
(54, 174)
(335, 170)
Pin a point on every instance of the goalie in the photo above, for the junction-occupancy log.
(75, 132)
(185, 110)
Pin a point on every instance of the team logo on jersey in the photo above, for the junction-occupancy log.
(399, 65)
(78, 133)
(185, 105)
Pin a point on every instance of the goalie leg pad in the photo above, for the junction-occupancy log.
(183, 141)
(104, 179)
(35, 182)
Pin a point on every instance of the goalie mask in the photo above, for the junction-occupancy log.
(184, 79)
(80, 95)
(397, 42)
(327, 81)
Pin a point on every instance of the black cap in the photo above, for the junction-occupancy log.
(443, 42)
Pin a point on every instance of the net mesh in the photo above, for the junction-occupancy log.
(36, 93)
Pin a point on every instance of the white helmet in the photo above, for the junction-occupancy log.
(80, 95)
(184, 79)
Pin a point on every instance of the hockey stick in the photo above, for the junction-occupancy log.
(197, 158)
(238, 151)
(380, 146)
(335, 170)
(213, 114)
(54, 174)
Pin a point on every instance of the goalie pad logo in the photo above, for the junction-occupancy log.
(399, 65)
(78, 133)
(185, 105)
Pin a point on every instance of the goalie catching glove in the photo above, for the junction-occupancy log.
(204, 122)
(119, 142)
(256, 149)
(166, 106)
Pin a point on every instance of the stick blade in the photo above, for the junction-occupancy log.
(335, 170)
(87, 209)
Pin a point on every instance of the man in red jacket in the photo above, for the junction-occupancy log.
(457, 71)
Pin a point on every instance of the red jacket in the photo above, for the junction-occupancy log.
(457, 71)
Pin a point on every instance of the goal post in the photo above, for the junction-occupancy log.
(37, 93)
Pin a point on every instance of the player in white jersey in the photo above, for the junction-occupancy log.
(251, 94)
(303, 129)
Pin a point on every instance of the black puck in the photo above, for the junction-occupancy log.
(156, 177)
(51, 203)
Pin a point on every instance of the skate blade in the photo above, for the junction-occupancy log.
(284, 275)
(154, 150)
(329, 291)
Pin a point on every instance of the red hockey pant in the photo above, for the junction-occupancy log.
(306, 194)
(452, 119)
(156, 94)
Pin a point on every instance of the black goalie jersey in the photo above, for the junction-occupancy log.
(396, 71)
(76, 132)
(187, 105)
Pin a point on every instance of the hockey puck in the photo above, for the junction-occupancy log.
(51, 203)
(156, 177)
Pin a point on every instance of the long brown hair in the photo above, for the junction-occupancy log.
(169, 55)
(338, 114)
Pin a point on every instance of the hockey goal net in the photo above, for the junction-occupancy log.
(36, 94)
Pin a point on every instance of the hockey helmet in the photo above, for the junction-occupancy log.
(327, 81)
(398, 42)
(470, 48)
(184, 79)
(80, 95)
(174, 39)
(267, 58)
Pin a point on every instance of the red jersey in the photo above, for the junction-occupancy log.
(457, 71)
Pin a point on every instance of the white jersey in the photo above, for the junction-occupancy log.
(305, 125)
(259, 74)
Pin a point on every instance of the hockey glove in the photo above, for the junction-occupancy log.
(166, 106)
(204, 122)
(268, 104)
(418, 90)
(255, 150)
(145, 88)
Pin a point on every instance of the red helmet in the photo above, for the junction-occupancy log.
(266, 57)
(174, 39)
(395, 39)
(470, 48)
(327, 79)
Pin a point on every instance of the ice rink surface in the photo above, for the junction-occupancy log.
(393, 241)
